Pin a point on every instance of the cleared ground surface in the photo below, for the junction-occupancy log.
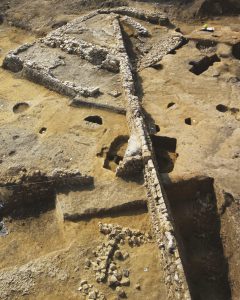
(193, 103)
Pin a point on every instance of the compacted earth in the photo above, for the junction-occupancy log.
(76, 219)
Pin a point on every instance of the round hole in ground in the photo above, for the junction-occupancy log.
(170, 104)
(236, 50)
(94, 119)
(20, 107)
(188, 121)
(221, 108)
(42, 130)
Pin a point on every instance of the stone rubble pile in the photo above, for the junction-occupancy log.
(109, 253)
(90, 292)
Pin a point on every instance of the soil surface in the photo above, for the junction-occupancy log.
(188, 82)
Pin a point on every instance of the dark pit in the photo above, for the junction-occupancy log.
(116, 152)
(170, 104)
(202, 65)
(94, 119)
(204, 45)
(20, 107)
(188, 121)
(42, 130)
(236, 50)
(222, 108)
(165, 152)
(197, 224)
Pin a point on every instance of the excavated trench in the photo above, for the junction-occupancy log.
(193, 205)
(26, 200)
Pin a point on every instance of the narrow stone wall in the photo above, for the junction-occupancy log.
(139, 28)
(157, 201)
(96, 55)
(42, 76)
(151, 17)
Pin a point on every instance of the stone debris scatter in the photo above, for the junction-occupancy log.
(106, 256)
(89, 291)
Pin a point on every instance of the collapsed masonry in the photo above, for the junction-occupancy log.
(114, 58)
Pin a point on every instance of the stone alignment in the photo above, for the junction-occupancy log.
(94, 54)
(140, 30)
(154, 18)
(161, 220)
(161, 48)
(41, 75)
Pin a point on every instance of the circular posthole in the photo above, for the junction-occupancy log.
(188, 121)
(170, 104)
(222, 108)
(94, 119)
(20, 107)
(42, 130)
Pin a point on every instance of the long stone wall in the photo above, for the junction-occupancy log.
(157, 201)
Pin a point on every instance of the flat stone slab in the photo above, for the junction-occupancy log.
(103, 198)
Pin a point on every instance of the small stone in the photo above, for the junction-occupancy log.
(112, 267)
(120, 292)
(126, 273)
(125, 281)
(92, 295)
(82, 282)
(115, 93)
(125, 255)
(137, 286)
(118, 254)
(112, 280)
(87, 263)
(85, 287)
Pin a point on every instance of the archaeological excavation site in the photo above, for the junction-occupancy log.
(120, 150)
